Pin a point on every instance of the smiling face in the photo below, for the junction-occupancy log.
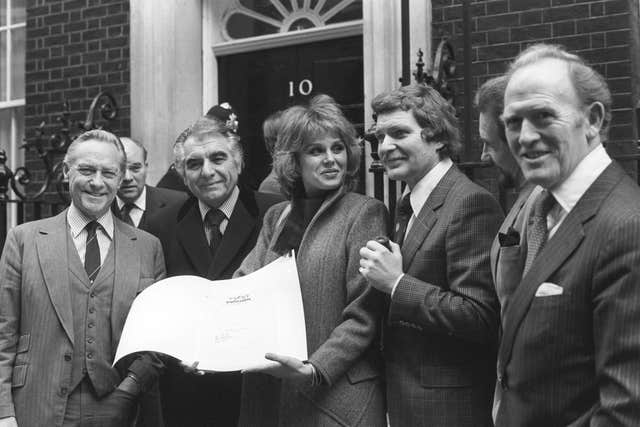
(93, 171)
(403, 151)
(136, 173)
(211, 169)
(323, 164)
(546, 126)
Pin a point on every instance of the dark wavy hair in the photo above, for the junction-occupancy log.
(301, 124)
(432, 112)
(270, 128)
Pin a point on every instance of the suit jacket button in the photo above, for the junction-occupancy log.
(63, 391)
(67, 357)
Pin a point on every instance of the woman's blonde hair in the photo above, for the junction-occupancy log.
(302, 124)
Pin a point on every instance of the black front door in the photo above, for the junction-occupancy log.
(259, 83)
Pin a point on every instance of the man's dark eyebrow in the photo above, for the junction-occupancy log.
(392, 129)
(217, 153)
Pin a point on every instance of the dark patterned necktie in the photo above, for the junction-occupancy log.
(403, 215)
(214, 218)
(537, 228)
(92, 252)
(125, 213)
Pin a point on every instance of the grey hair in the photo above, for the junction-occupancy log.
(589, 85)
(100, 136)
(204, 128)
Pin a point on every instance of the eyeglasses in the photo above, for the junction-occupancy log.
(91, 172)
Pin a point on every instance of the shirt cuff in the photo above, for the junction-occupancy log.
(395, 285)
(316, 378)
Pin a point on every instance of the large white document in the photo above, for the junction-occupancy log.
(224, 325)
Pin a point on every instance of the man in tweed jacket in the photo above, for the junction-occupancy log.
(441, 327)
(66, 286)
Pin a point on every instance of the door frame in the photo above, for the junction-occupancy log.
(173, 63)
(380, 28)
(335, 31)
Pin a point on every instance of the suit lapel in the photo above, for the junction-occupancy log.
(127, 274)
(142, 225)
(154, 200)
(52, 253)
(424, 221)
(238, 231)
(329, 200)
(190, 234)
(114, 209)
(152, 204)
(510, 219)
(552, 256)
(508, 222)
(563, 243)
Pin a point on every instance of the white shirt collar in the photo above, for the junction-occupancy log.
(78, 221)
(140, 202)
(423, 188)
(588, 170)
(226, 207)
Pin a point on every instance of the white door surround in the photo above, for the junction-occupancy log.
(174, 45)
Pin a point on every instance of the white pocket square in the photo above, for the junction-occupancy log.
(548, 289)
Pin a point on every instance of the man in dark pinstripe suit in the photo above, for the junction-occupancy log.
(440, 334)
(570, 351)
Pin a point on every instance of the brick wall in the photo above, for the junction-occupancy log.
(599, 31)
(74, 50)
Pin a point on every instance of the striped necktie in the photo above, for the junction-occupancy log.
(537, 228)
(92, 252)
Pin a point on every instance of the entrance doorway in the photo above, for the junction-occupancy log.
(259, 83)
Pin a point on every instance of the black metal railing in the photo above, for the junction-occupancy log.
(439, 77)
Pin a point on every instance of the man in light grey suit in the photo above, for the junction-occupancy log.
(66, 286)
